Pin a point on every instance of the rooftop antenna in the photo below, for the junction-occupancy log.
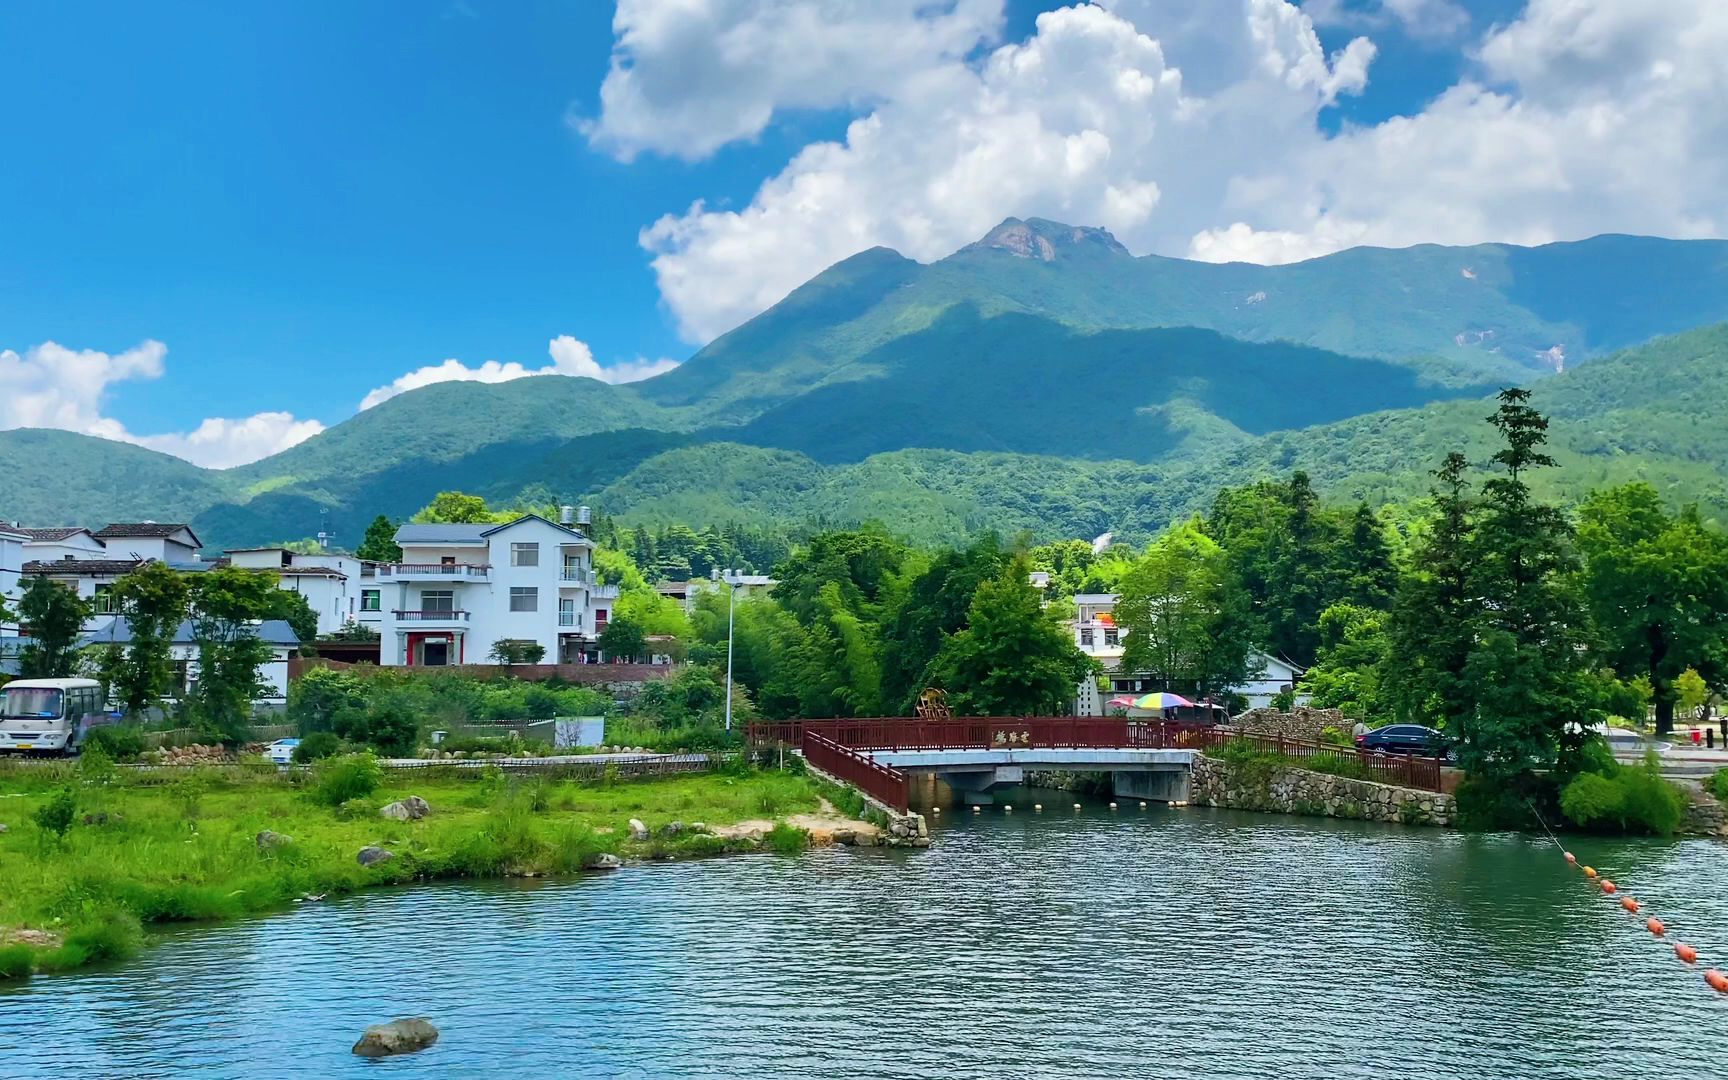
(324, 530)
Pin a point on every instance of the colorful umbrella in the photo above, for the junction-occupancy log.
(1162, 701)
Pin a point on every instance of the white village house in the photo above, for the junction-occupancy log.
(336, 586)
(184, 652)
(461, 589)
(1097, 635)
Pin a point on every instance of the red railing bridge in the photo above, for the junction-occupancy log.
(841, 747)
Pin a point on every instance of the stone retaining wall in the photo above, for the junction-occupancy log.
(1300, 722)
(1298, 791)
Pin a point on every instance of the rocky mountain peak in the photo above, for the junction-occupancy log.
(1044, 240)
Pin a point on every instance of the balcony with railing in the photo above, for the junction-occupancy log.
(432, 619)
(576, 575)
(569, 619)
(434, 572)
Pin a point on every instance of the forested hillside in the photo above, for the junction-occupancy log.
(1041, 378)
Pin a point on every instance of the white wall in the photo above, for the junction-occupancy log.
(11, 563)
(76, 546)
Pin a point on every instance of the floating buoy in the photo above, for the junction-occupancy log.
(935, 809)
(1685, 952)
(1038, 806)
(1007, 808)
(1655, 927)
(1589, 871)
(1608, 886)
(1718, 981)
(1571, 858)
(1076, 806)
(1142, 804)
(1112, 806)
(1629, 904)
(977, 809)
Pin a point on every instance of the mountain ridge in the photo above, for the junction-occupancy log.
(1093, 358)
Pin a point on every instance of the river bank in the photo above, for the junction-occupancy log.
(218, 844)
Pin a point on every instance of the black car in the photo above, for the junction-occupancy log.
(1404, 739)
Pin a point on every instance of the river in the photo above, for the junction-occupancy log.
(1130, 943)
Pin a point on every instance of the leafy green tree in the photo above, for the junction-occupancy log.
(458, 508)
(508, 651)
(1014, 658)
(1183, 623)
(1526, 681)
(153, 601)
(379, 543)
(937, 602)
(1658, 590)
(53, 615)
(292, 608)
(1347, 675)
(623, 640)
(1692, 693)
(224, 606)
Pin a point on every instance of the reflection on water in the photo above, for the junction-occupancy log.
(1189, 943)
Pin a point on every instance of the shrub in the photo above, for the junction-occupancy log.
(1717, 785)
(1625, 799)
(55, 816)
(316, 747)
(351, 776)
(1484, 806)
(16, 961)
(787, 839)
(121, 742)
(115, 935)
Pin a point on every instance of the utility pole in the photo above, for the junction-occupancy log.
(731, 603)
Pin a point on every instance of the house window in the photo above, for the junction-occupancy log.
(371, 600)
(104, 600)
(1110, 639)
(438, 600)
(525, 555)
(1086, 638)
(524, 598)
(567, 612)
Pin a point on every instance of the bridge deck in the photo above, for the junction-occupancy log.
(1090, 759)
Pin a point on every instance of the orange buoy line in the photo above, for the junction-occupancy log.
(1685, 953)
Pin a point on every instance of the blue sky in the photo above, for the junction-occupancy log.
(306, 201)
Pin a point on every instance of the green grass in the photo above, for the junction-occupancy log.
(183, 848)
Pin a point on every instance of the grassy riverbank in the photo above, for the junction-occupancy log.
(154, 847)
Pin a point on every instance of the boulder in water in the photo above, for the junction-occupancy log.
(400, 1036)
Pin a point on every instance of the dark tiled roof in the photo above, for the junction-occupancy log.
(45, 535)
(121, 530)
(82, 566)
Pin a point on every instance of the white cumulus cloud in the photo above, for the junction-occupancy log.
(689, 76)
(51, 386)
(569, 357)
(1193, 128)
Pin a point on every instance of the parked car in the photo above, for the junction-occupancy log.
(281, 751)
(1404, 739)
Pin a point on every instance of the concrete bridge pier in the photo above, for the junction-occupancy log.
(1152, 785)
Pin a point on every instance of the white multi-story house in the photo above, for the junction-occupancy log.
(11, 569)
(332, 583)
(1097, 635)
(461, 589)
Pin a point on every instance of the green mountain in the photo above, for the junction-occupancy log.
(1042, 378)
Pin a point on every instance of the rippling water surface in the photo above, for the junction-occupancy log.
(1178, 943)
